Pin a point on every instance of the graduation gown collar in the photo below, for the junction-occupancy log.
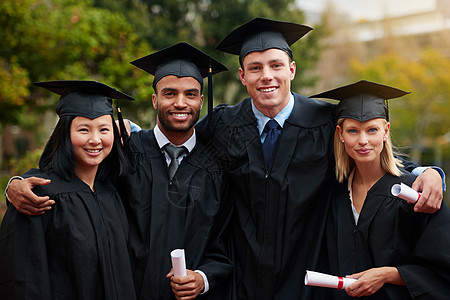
(381, 190)
(162, 140)
(310, 113)
(383, 186)
(146, 144)
(307, 113)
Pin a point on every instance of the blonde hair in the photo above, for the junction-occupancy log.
(345, 164)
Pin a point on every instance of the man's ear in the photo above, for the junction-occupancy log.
(155, 101)
(292, 68)
(242, 76)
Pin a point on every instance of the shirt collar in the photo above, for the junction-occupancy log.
(281, 117)
(350, 193)
(162, 140)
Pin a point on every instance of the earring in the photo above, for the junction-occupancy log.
(384, 139)
(342, 140)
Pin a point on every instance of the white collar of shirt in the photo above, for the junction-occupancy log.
(350, 181)
(162, 140)
(281, 117)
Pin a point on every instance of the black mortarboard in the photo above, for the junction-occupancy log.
(261, 34)
(182, 60)
(90, 99)
(363, 100)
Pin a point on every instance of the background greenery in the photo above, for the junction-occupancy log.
(44, 40)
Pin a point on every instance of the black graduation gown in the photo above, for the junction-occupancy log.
(279, 215)
(390, 233)
(185, 213)
(77, 250)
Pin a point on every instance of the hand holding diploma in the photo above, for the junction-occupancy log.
(405, 192)
(186, 284)
(325, 280)
(178, 262)
(360, 284)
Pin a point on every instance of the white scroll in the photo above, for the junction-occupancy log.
(405, 192)
(325, 280)
(178, 263)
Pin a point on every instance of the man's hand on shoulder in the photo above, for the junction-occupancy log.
(20, 195)
(429, 183)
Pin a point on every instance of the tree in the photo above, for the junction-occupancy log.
(204, 23)
(60, 40)
(45, 40)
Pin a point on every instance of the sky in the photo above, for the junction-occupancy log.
(371, 9)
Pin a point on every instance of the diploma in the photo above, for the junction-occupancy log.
(405, 192)
(178, 263)
(325, 280)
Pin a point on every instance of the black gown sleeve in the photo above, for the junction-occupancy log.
(23, 256)
(216, 263)
(408, 165)
(428, 274)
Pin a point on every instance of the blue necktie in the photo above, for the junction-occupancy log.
(270, 142)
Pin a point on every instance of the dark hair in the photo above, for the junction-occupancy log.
(58, 154)
(116, 163)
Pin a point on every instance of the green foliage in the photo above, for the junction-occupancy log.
(23, 164)
(17, 166)
(205, 23)
(54, 40)
(44, 40)
(13, 91)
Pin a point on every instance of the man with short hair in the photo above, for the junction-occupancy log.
(278, 149)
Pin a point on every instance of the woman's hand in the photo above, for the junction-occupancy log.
(370, 281)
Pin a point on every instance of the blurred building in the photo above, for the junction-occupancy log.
(365, 39)
(419, 24)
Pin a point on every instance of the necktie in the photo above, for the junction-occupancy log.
(270, 142)
(174, 154)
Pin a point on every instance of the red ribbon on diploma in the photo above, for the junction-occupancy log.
(417, 198)
(340, 283)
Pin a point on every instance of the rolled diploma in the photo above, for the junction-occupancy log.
(325, 280)
(178, 263)
(405, 192)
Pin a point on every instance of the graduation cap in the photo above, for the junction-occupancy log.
(261, 34)
(90, 99)
(363, 100)
(181, 60)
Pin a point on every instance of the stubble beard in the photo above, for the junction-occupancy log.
(169, 126)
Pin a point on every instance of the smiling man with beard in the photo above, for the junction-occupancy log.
(175, 202)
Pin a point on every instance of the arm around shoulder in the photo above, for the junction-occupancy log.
(20, 194)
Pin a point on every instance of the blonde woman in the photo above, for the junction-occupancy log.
(394, 252)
